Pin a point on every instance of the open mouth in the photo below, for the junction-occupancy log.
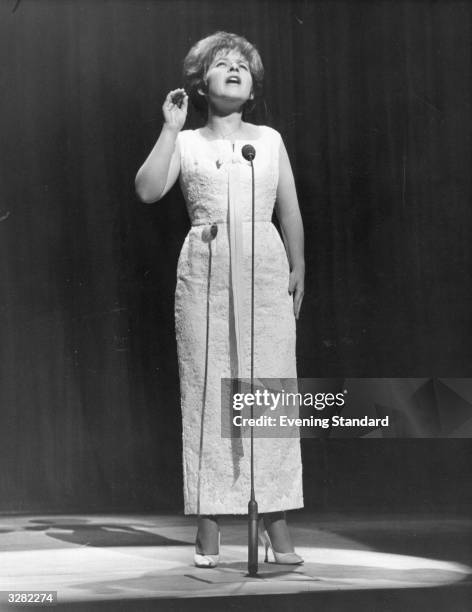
(233, 79)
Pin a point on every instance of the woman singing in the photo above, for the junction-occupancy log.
(223, 74)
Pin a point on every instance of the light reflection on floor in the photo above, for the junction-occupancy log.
(76, 557)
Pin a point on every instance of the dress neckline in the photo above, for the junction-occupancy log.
(260, 127)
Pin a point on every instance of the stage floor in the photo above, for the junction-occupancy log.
(145, 562)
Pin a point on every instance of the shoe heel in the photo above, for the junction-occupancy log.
(265, 541)
(266, 550)
(290, 558)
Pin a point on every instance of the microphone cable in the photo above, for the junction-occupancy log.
(207, 238)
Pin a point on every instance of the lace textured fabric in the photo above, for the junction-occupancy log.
(216, 183)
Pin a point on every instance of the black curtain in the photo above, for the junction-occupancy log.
(373, 100)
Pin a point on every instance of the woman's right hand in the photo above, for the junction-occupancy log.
(174, 112)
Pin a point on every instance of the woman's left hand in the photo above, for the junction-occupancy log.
(296, 287)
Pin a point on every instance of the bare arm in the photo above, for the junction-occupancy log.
(162, 166)
(291, 225)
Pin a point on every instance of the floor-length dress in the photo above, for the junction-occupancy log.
(212, 317)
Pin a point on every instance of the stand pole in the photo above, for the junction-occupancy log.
(249, 154)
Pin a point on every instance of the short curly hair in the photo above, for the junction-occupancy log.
(202, 54)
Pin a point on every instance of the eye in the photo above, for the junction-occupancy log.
(243, 65)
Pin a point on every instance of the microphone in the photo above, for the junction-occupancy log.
(248, 152)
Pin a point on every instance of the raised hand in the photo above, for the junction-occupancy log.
(175, 109)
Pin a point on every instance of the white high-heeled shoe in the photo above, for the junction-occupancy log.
(202, 560)
(288, 558)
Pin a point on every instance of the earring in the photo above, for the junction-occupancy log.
(203, 89)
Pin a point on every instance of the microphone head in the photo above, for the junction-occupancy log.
(248, 152)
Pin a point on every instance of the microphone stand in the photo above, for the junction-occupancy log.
(249, 154)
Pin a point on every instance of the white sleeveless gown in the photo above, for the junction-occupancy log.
(216, 183)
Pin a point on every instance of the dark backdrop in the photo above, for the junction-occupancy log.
(373, 100)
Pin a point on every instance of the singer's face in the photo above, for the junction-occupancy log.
(229, 78)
